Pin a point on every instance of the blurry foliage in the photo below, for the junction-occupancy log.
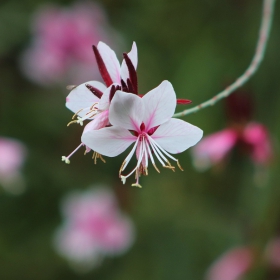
(184, 220)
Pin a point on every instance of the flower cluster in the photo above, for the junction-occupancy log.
(12, 156)
(93, 228)
(119, 117)
(61, 36)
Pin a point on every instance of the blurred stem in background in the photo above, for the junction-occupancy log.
(267, 16)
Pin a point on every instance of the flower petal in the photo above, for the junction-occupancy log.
(126, 110)
(160, 104)
(81, 97)
(111, 62)
(105, 99)
(108, 141)
(213, 148)
(175, 136)
(134, 59)
(100, 121)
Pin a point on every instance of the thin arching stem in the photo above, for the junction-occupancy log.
(267, 15)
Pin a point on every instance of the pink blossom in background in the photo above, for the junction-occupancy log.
(214, 148)
(12, 156)
(232, 265)
(242, 132)
(61, 50)
(94, 227)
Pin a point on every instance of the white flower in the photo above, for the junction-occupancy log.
(148, 123)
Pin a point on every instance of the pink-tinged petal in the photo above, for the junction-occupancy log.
(105, 99)
(232, 265)
(108, 141)
(101, 120)
(126, 110)
(175, 136)
(160, 104)
(111, 62)
(81, 97)
(134, 59)
(257, 136)
(213, 148)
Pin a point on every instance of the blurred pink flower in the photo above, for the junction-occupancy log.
(12, 156)
(62, 39)
(93, 228)
(214, 148)
(232, 265)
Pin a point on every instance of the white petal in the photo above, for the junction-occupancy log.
(175, 136)
(81, 97)
(104, 100)
(160, 104)
(108, 141)
(111, 62)
(126, 110)
(134, 59)
(100, 121)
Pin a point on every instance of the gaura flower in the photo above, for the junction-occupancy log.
(91, 100)
(12, 157)
(61, 38)
(232, 265)
(94, 227)
(147, 122)
(253, 138)
(249, 136)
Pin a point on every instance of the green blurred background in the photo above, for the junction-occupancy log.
(184, 220)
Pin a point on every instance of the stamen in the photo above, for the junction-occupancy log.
(121, 169)
(128, 158)
(137, 185)
(96, 156)
(179, 165)
(67, 159)
(77, 113)
(156, 168)
(151, 157)
(170, 167)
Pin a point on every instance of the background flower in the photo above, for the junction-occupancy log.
(12, 156)
(61, 50)
(93, 228)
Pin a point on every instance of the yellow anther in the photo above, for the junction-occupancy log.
(96, 156)
(179, 165)
(169, 167)
(92, 106)
(156, 168)
(72, 122)
(121, 169)
(76, 114)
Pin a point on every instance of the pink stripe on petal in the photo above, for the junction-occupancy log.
(108, 141)
(175, 136)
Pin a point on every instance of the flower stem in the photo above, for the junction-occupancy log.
(267, 15)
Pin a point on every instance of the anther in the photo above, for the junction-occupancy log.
(156, 168)
(71, 122)
(76, 114)
(179, 165)
(121, 169)
(169, 167)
